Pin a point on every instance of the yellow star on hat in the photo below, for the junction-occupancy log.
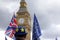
(22, 30)
(16, 29)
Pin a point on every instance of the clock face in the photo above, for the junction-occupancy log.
(21, 20)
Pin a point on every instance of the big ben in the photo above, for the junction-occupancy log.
(24, 19)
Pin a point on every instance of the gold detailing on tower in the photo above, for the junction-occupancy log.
(24, 15)
(23, 3)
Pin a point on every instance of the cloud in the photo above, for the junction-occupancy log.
(2, 36)
(52, 32)
(8, 0)
(4, 18)
(6, 12)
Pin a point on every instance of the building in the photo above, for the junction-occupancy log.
(24, 19)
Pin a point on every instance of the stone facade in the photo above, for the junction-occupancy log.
(24, 19)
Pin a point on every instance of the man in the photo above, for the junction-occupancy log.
(20, 33)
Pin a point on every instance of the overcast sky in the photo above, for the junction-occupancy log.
(47, 12)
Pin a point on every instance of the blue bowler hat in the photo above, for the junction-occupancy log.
(20, 31)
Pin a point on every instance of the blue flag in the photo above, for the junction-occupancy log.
(36, 29)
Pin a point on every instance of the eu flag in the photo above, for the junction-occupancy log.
(36, 29)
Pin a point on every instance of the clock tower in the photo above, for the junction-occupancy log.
(24, 19)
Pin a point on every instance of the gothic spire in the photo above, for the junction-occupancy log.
(23, 3)
(23, 6)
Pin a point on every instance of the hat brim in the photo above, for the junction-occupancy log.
(21, 34)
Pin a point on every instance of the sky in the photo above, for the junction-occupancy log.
(47, 12)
